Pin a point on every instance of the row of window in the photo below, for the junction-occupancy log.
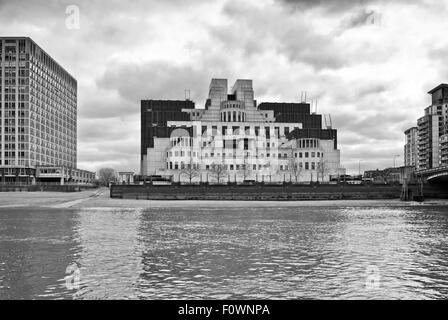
(268, 155)
(231, 167)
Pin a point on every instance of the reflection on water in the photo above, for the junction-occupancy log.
(249, 253)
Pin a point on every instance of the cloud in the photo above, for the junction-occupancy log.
(372, 79)
(154, 80)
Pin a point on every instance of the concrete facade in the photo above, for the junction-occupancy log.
(411, 147)
(38, 112)
(232, 140)
(432, 127)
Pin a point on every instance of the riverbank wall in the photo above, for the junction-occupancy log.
(49, 188)
(267, 192)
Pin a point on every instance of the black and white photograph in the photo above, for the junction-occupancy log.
(223, 154)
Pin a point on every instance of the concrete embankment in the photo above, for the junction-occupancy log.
(265, 192)
(45, 188)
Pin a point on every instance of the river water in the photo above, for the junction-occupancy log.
(346, 251)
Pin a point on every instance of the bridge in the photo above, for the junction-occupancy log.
(435, 175)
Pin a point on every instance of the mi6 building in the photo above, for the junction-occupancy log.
(234, 139)
(38, 117)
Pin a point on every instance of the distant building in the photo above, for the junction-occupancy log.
(234, 140)
(38, 113)
(432, 132)
(444, 150)
(125, 177)
(410, 148)
(390, 175)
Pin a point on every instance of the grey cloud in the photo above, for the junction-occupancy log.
(360, 18)
(336, 6)
(155, 80)
(330, 5)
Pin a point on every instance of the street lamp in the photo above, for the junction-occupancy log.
(396, 156)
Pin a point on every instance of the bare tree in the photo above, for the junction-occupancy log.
(322, 168)
(218, 170)
(190, 171)
(106, 176)
(294, 169)
(245, 169)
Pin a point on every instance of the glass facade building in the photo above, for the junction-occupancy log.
(38, 111)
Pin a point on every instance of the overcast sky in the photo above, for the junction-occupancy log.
(368, 63)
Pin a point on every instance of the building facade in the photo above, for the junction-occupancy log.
(38, 111)
(234, 140)
(410, 148)
(433, 130)
(125, 177)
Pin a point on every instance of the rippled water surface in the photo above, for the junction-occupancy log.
(272, 252)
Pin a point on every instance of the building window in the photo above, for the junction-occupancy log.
(313, 166)
(306, 166)
(306, 155)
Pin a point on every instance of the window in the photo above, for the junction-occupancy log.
(313, 165)
(300, 155)
(313, 154)
(306, 155)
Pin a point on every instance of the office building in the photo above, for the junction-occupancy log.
(235, 140)
(38, 115)
(410, 148)
(432, 130)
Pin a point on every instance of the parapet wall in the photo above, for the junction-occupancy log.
(52, 188)
(264, 192)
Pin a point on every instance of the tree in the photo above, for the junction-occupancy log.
(294, 169)
(190, 171)
(106, 176)
(245, 169)
(218, 170)
(322, 169)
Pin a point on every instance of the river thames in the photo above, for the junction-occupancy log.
(345, 250)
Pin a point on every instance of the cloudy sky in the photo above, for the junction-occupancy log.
(368, 63)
